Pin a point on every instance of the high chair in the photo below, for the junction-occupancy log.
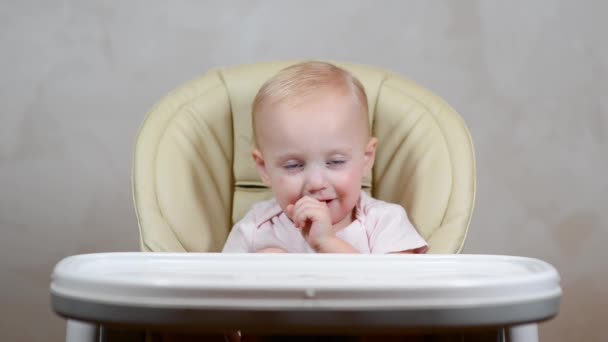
(193, 177)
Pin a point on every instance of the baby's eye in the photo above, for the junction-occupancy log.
(292, 165)
(336, 162)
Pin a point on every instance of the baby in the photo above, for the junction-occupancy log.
(312, 148)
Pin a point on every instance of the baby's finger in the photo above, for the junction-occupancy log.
(289, 210)
(308, 204)
(307, 213)
(298, 218)
(306, 199)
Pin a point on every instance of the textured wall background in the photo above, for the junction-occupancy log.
(530, 78)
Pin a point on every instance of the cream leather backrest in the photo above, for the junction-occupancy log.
(193, 176)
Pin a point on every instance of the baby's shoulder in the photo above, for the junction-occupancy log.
(259, 212)
(374, 207)
(264, 205)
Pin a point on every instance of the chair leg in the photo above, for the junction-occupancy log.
(77, 331)
(523, 333)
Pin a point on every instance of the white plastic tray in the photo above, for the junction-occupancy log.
(424, 289)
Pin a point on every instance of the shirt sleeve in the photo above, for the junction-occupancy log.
(240, 237)
(391, 231)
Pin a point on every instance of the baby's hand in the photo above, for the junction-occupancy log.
(313, 219)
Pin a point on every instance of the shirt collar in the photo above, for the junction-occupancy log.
(269, 210)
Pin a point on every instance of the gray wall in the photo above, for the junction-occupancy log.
(529, 77)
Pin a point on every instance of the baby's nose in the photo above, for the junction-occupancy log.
(315, 181)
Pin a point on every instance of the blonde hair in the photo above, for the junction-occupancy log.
(295, 84)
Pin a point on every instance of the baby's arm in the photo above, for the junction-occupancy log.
(334, 244)
(419, 250)
(271, 250)
(240, 236)
(239, 243)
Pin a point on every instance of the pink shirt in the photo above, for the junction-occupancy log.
(379, 227)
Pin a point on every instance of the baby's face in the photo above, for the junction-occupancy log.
(319, 149)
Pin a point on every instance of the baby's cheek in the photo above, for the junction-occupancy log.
(350, 181)
(287, 189)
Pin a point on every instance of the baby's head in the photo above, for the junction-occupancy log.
(312, 137)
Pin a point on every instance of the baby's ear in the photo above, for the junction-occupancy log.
(370, 155)
(260, 165)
